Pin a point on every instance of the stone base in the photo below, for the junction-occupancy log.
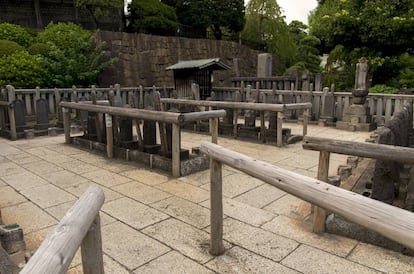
(356, 118)
(356, 127)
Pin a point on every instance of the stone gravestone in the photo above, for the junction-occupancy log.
(19, 115)
(42, 118)
(264, 65)
(328, 108)
(125, 131)
(250, 115)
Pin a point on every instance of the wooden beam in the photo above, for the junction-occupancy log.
(319, 214)
(109, 136)
(368, 150)
(175, 150)
(91, 249)
(216, 205)
(57, 251)
(392, 222)
(66, 124)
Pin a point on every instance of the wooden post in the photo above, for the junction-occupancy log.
(319, 214)
(216, 205)
(214, 130)
(109, 136)
(12, 122)
(66, 124)
(175, 147)
(235, 122)
(91, 249)
(279, 137)
(305, 121)
(262, 127)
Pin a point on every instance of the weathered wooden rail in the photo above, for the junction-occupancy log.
(392, 222)
(79, 227)
(176, 119)
(261, 107)
(376, 151)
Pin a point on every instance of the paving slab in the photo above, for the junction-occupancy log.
(261, 196)
(173, 262)
(130, 247)
(244, 212)
(236, 184)
(77, 166)
(238, 260)
(22, 158)
(133, 213)
(185, 211)
(290, 206)
(10, 168)
(302, 232)
(78, 190)
(185, 191)
(106, 178)
(47, 195)
(64, 179)
(9, 197)
(382, 259)
(307, 259)
(28, 216)
(41, 167)
(146, 176)
(141, 192)
(24, 180)
(257, 240)
(6, 149)
(186, 239)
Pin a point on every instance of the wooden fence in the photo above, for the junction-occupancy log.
(79, 227)
(176, 119)
(392, 222)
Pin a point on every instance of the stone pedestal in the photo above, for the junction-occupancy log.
(356, 118)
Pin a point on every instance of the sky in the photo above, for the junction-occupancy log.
(296, 9)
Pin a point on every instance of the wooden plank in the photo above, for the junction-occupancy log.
(279, 137)
(12, 123)
(91, 249)
(262, 127)
(214, 130)
(57, 251)
(392, 222)
(235, 123)
(175, 147)
(216, 205)
(319, 214)
(190, 117)
(305, 121)
(376, 151)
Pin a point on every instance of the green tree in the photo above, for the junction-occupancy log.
(15, 33)
(74, 57)
(219, 15)
(265, 24)
(152, 17)
(99, 9)
(381, 30)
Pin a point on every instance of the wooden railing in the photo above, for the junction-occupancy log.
(376, 151)
(392, 222)
(79, 227)
(262, 107)
(176, 119)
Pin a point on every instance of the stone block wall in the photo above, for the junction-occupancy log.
(142, 58)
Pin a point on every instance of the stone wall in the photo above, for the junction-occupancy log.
(142, 58)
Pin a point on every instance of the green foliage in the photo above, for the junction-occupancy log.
(266, 24)
(39, 48)
(99, 8)
(15, 33)
(23, 70)
(152, 17)
(383, 89)
(74, 57)
(380, 30)
(9, 47)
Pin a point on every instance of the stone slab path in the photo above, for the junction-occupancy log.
(152, 223)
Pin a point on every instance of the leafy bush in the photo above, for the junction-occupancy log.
(23, 70)
(74, 56)
(39, 48)
(15, 33)
(382, 89)
(9, 47)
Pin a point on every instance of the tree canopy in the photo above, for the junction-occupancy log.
(266, 24)
(99, 8)
(382, 31)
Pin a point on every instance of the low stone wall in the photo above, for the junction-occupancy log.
(142, 58)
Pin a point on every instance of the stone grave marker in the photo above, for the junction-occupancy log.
(42, 118)
(19, 115)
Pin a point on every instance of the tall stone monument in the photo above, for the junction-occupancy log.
(357, 116)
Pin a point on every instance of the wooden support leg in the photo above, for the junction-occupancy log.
(235, 125)
(279, 137)
(305, 121)
(319, 214)
(175, 147)
(262, 127)
(216, 204)
(214, 130)
(91, 249)
(66, 124)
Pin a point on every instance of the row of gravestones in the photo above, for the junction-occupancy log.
(42, 117)
(94, 124)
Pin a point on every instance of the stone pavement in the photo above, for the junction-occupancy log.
(152, 223)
